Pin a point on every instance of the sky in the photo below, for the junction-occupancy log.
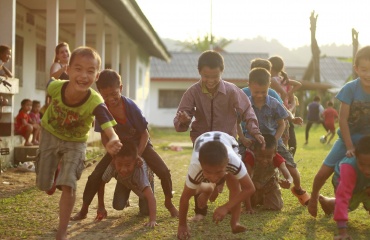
(287, 21)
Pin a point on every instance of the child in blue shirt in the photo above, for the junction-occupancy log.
(354, 123)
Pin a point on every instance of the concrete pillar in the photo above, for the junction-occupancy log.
(133, 72)
(125, 67)
(115, 50)
(52, 31)
(7, 26)
(100, 38)
(80, 35)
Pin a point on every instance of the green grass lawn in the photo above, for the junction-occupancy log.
(293, 222)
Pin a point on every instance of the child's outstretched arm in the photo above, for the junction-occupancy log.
(343, 124)
(149, 196)
(113, 144)
(183, 230)
(101, 213)
(288, 178)
(247, 190)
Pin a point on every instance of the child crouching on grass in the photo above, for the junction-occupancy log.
(262, 166)
(131, 174)
(351, 181)
(215, 156)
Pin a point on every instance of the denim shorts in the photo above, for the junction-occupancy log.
(53, 152)
(338, 151)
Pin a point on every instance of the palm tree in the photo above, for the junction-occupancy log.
(201, 44)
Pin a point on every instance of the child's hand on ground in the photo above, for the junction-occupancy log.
(183, 232)
(343, 237)
(219, 214)
(284, 183)
(250, 211)
(151, 224)
(101, 213)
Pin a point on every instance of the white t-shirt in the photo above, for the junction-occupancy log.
(235, 165)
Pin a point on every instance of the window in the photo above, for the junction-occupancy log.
(40, 67)
(18, 55)
(169, 98)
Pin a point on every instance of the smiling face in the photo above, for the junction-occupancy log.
(83, 72)
(265, 157)
(63, 54)
(111, 95)
(6, 55)
(258, 92)
(125, 165)
(210, 78)
(363, 71)
(27, 106)
(214, 173)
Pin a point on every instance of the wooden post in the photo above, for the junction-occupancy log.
(315, 48)
(355, 49)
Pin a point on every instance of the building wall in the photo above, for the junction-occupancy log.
(163, 117)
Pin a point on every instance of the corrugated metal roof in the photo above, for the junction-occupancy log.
(183, 65)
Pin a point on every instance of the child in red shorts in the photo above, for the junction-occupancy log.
(24, 125)
(330, 115)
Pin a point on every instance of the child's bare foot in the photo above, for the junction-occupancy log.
(78, 216)
(28, 144)
(35, 142)
(312, 207)
(326, 206)
(171, 208)
(196, 218)
(238, 229)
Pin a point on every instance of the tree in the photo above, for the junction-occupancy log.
(201, 44)
(355, 49)
(315, 48)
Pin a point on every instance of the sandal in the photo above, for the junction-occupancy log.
(302, 195)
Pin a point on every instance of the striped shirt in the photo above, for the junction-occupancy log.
(217, 113)
(235, 166)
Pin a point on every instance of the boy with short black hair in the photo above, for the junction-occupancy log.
(131, 126)
(131, 174)
(271, 114)
(263, 166)
(214, 157)
(65, 129)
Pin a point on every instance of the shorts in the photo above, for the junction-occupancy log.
(54, 151)
(330, 126)
(22, 130)
(338, 151)
(284, 152)
(269, 196)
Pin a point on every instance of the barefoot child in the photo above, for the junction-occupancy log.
(24, 125)
(263, 166)
(354, 118)
(271, 115)
(215, 157)
(351, 183)
(132, 126)
(330, 115)
(36, 118)
(131, 176)
(65, 128)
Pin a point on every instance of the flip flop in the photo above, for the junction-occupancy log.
(303, 198)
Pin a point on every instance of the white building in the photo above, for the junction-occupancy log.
(117, 29)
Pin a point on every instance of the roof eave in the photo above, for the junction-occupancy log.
(130, 17)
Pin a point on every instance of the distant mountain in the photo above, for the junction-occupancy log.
(294, 58)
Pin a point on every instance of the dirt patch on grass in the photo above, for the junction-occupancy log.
(14, 181)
